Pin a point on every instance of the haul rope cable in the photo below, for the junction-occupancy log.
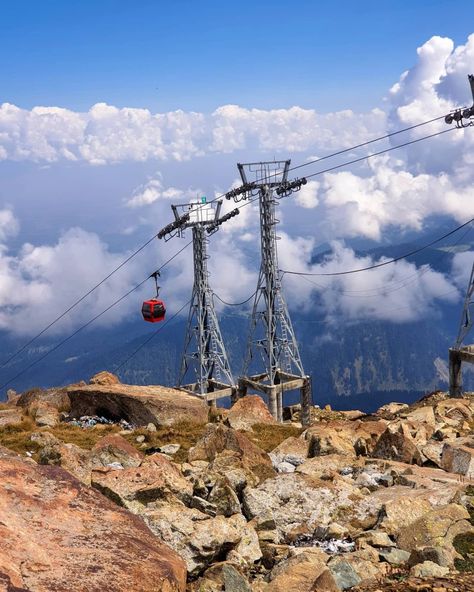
(400, 284)
(234, 303)
(394, 260)
(89, 322)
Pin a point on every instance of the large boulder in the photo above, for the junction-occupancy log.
(458, 457)
(344, 437)
(57, 534)
(198, 538)
(156, 478)
(436, 528)
(55, 397)
(308, 574)
(218, 439)
(247, 412)
(70, 457)
(115, 449)
(396, 443)
(139, 405)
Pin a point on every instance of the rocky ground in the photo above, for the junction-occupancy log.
(112, 487)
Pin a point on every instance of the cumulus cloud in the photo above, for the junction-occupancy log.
(106, 134)
(154, 190)
(39, 282)
(400, 190)
(403, 188)
(398, 292)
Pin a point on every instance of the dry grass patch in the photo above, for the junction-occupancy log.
(185, 433)
(17, 437)
(268, 436)
(83, 437)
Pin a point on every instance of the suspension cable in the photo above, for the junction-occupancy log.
(377, 265)
(52, 323)
(89, 322)
(234, 303)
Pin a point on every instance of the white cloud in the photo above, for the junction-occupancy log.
(398, 292)
(106, 134)
(40, 282)
(153, 190)
(9, 225)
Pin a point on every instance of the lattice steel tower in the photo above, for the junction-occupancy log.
(462, 118)
(462, 353)
(205, 367)
(272, 339)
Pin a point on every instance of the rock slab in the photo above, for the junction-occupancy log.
(57, 534)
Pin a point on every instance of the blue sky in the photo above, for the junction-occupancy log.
(199, 55)
(111, 111)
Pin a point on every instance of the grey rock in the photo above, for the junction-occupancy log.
(285, 467)
(395, 556)
(234, 581)
(428, 569)
(170, 449)
(344, 574)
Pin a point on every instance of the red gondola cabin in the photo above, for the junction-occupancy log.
(153, 311)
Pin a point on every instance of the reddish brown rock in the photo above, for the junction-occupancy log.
(56, 534)
(112, 449)
(344, 437)
(156, 478)
(219, 438)
(70, 457)
(57, 398)
(104, 378)
(10, 417)
(397, 445)
(139, 405)
(248, 411)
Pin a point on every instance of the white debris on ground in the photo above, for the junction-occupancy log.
(330, 546)
(89, 421)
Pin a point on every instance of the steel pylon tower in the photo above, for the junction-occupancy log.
(466, 318)
(205, 367)
(204, 349)
(462, 353)
(271, 331)
(271, 338)
(462, 118)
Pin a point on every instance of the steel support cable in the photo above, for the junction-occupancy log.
(395, 285)
(38, 335)
(152, 336)
(89, 322)
(234, 303)
(377, 265)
